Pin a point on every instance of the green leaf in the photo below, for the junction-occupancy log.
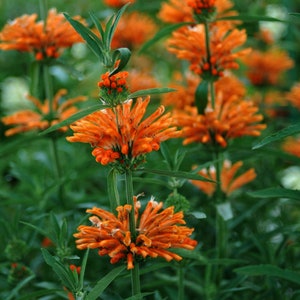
(83, 267)
(84, 112)
(150, 92)
(10, 146)
(201, 96)
(179, 174)
(64, 274)
(91, 38)
(14, 293)
(112, 188)
(279, 135)
(98, 25)
(103, 283)
(270, 270)
(111, 26)
(295, 14)
(139, 296)
(250, 18)
(167, 30)
(124, 55)
(276, 192)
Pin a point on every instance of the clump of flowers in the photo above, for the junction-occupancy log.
(42, 115)
(266, 67)
(121, 135)
(229, 181)
(190, 44)
(157, 232)
(45, 39)
(133, 30)
(231, 118)
(293, 96)
(113, 88)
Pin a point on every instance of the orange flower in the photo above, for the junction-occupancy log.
(43, 38)
(266, 68)
(133, 30)
(120, 135)
(42, 117)
(294, 95)
(200, 6)
(231, 118)
(157, 231)
(141, 80)
(291, 145)
(186, 88)
(189, 44)
(185, 91)
(117, 3)
(229, 181)
(177, 11)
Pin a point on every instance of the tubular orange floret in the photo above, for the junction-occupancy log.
(157, 231)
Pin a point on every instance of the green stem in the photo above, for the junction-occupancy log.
(208, 57)
(58, 168)
(48, 86)
(135, 272)
(180, 283)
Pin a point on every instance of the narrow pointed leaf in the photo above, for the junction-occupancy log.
(201, 96)
(65, 275)
(295, 14)
(166, 31)
(271, 271)
(84, 112)
(112, 189)
(179, 174)
(83, 266)
(276, 192)
(91, 39)
(98, 25)
(250, 18)
(112, 26)
(150, 92)
(279, 135)
(103, 283)
(123, 54)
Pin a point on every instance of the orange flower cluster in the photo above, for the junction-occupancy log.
(190, 44)
(117, 3)
(42, 116)
(294, 96)
(44, 39)
(229, 181)
(157, 231)
(133, 30)
(266, 68)
(120, 135)
(199, 5)
(231, 118)
(114, 84)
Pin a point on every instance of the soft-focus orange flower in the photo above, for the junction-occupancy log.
(120, 135)
(186, 87)
(292, 145)
(229, 181)
(231, 118)
(133, 30)
(44, 39)
(117, 3)
(157, 231)
(189, 44)
(177, 11)
(184, 94)
(266, 68)
(42, 117)
(294, 95)
(141, 80)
